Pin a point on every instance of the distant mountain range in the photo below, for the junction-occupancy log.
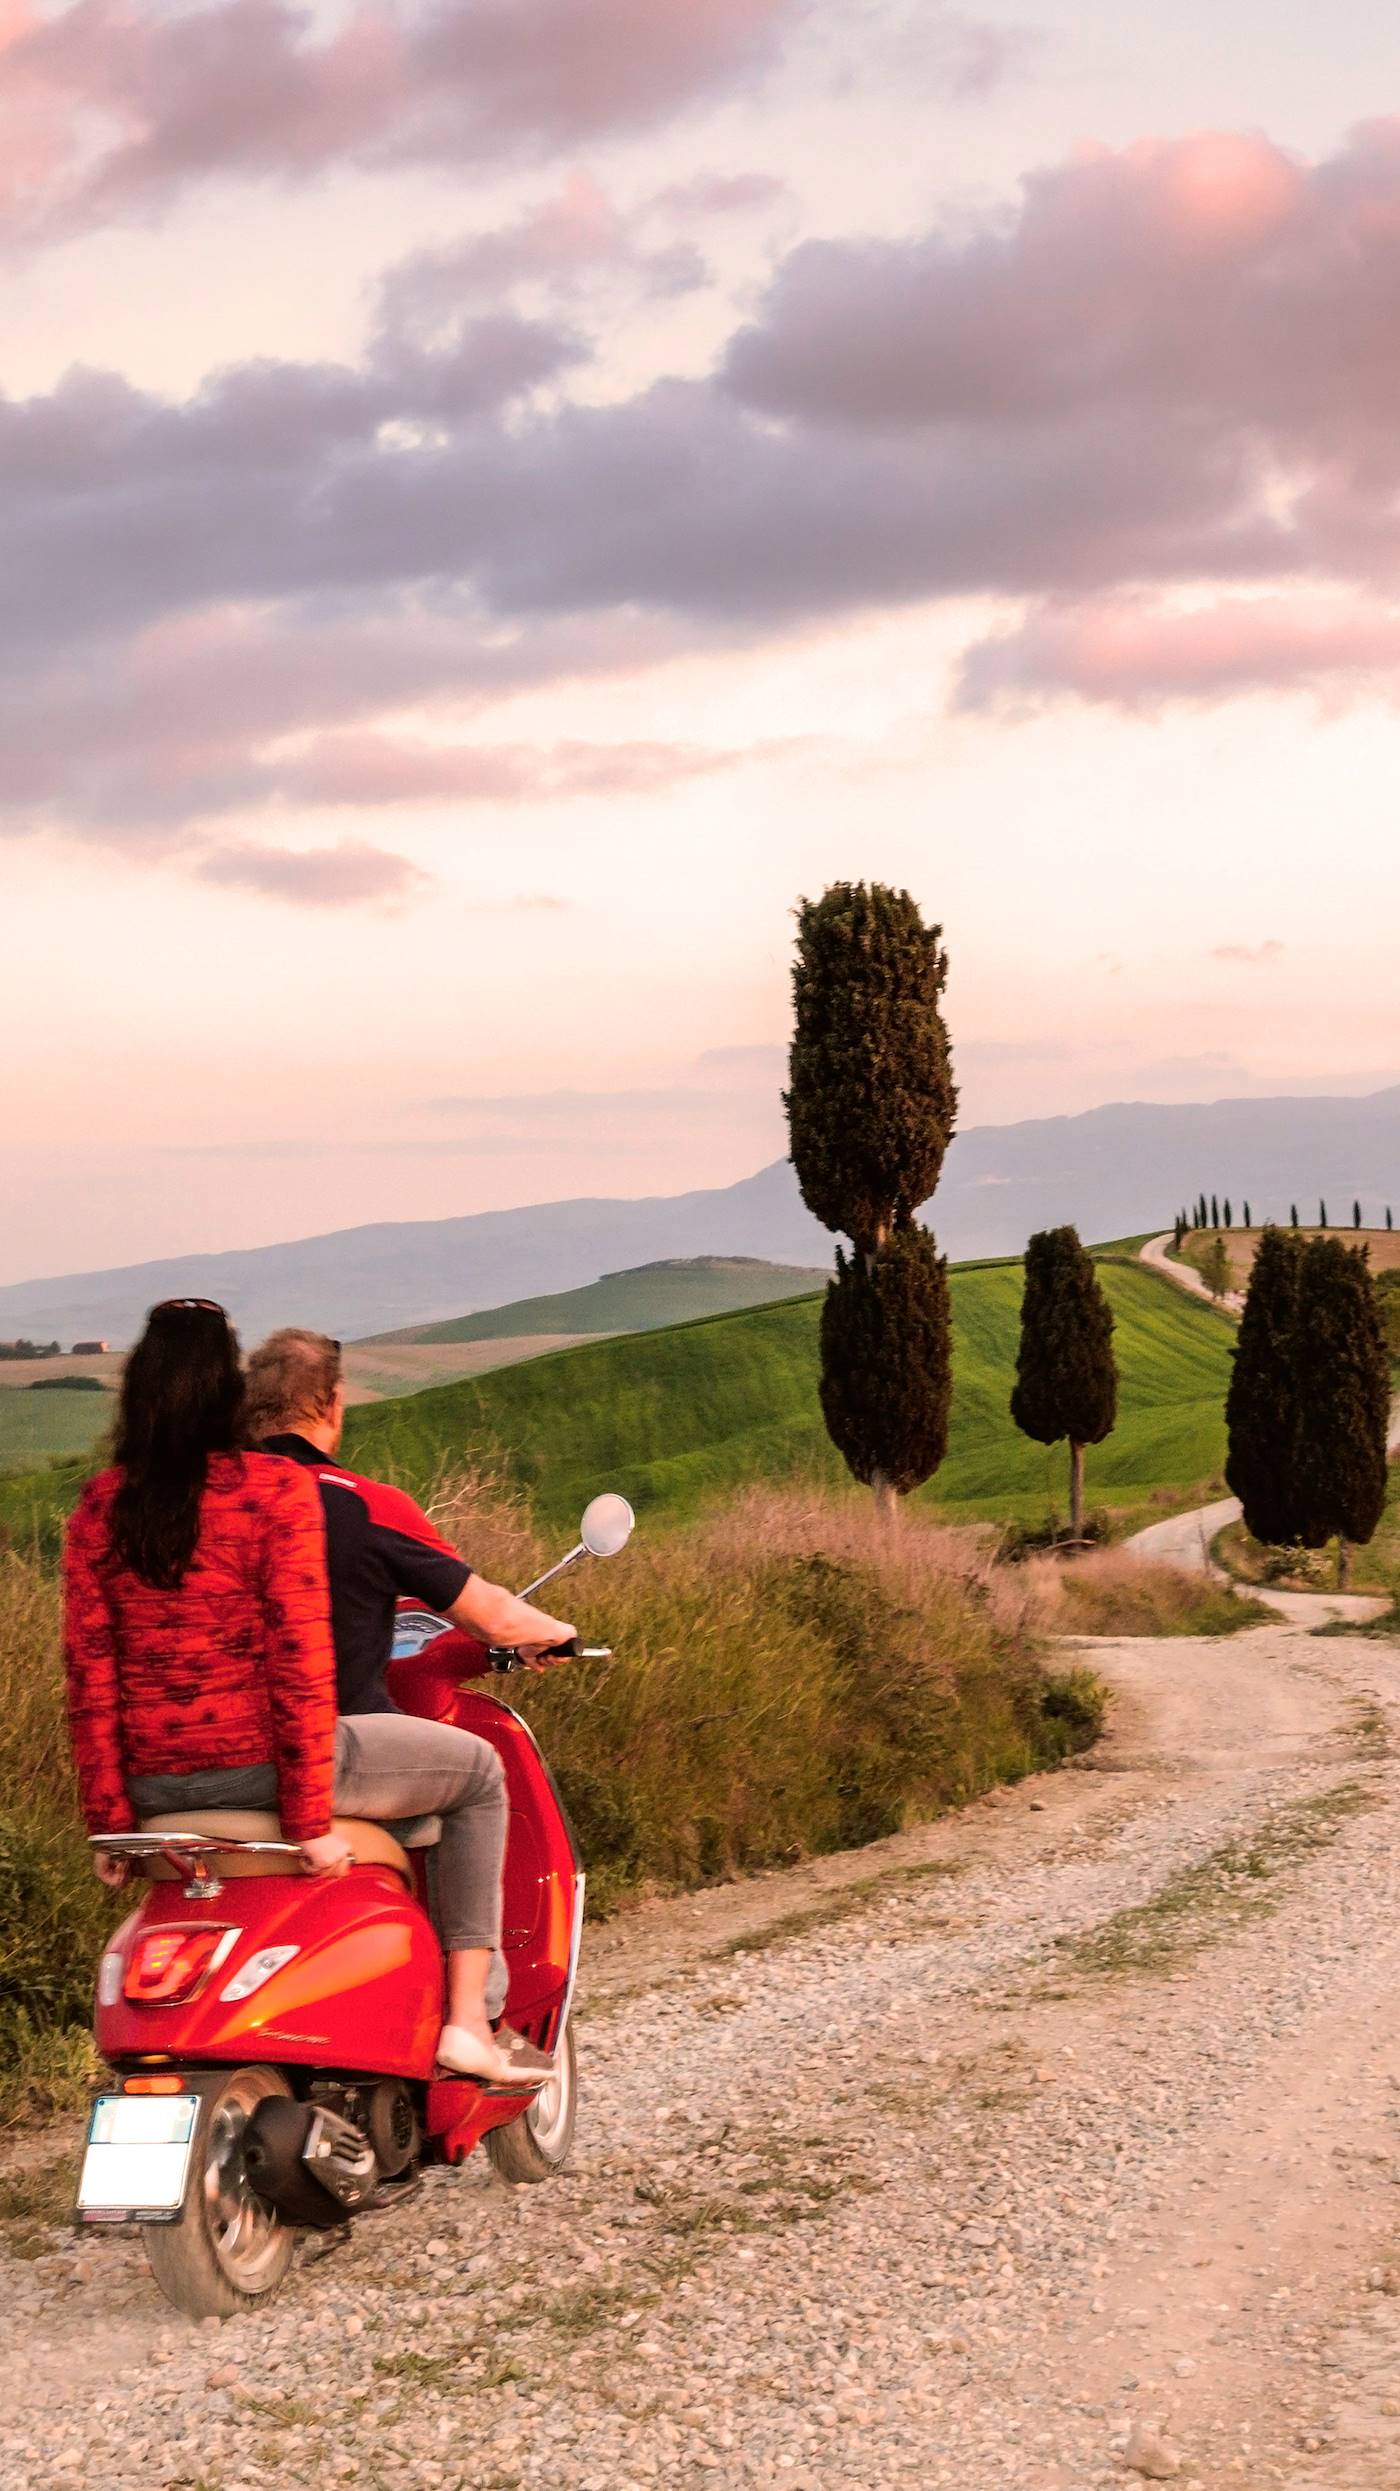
(1113, 1172)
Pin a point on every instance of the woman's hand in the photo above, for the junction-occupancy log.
(112, 1869)
(326, 1855)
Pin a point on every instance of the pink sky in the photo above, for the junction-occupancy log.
(498, 500)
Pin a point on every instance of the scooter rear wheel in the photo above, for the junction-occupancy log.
(230, 2251)
(534, 2145)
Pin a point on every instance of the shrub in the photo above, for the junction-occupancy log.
(789, 1677)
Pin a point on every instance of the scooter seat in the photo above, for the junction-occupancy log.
(369, 1842)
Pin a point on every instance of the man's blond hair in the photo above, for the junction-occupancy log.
(293, 1375)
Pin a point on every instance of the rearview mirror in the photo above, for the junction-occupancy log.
(607, 1525)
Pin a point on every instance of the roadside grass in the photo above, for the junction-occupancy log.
(788, 1679)
(1374, 1568)
(1215, 1896)
(1110, 1592)
(844, 1903)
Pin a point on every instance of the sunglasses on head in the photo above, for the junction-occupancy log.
(188, 1306)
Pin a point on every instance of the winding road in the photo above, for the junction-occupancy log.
(1053, 2147)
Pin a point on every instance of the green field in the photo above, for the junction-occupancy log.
(644, 1300)
(676, 1417)
(36, 1426)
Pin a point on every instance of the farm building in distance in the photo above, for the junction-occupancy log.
(89, 1349)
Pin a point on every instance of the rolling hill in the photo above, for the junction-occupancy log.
(672, 1417)
(657, 1294)
(1112, 1171)
(676, 1416)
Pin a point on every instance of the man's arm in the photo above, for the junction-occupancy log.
(495, 1616)
(422, 1565)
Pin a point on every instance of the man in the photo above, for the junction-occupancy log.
(381, 1548)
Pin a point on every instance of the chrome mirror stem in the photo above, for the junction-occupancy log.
(541, 1579)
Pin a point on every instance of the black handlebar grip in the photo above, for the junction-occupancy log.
(506, 1656)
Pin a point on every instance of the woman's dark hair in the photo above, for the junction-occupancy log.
(182, 1399)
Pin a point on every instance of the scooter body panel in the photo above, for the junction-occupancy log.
(362, 1991)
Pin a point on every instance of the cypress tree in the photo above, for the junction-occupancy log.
(1247, 1220)
(1214, 1212)
(871, 1105)
(1215, 1267)
(1293, 1215)
(1229, 1216)
(1356, 1215)
(1066, 1376)
(1343, 1387)
(1322, 1215)
(886, 1375)
(1261, 1407)
(1388, 1219)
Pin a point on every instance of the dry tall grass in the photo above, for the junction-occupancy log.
(788, 1678)
(1113, 1593)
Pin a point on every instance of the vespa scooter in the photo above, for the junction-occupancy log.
(271, 2038)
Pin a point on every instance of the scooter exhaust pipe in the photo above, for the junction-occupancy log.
(315, 2168)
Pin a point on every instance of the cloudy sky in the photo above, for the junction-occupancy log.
(497, 497)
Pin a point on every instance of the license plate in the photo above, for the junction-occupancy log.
(138, 2155)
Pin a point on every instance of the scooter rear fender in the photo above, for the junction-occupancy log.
(363, 1990)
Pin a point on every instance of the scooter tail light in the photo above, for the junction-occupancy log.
(169, 1966)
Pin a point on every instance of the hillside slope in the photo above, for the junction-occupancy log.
(672, 1417)
(656, 1294)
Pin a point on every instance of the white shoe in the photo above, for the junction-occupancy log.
(513, 2067)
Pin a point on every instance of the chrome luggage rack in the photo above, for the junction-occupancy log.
(186, 1854)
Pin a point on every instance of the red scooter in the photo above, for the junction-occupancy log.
(272, 2036)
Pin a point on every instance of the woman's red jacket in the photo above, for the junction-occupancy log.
(236, 1667)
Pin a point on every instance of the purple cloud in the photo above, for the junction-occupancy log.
(339, 877)
(231, 600)
(109, 109)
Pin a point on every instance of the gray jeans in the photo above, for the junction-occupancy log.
(392, 1766)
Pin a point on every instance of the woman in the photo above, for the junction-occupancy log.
(201, 1669)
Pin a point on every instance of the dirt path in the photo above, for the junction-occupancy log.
(1156, 1255)
(947, 2163)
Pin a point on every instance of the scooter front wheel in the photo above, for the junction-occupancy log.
(533, 2145)
(230, 2251)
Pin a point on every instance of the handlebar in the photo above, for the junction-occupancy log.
(507, 1656)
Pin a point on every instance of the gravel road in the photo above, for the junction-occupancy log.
(1157, 1256)
(1063, 2132)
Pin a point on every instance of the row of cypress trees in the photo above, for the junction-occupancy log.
(871, 1108)
(1217, 1214)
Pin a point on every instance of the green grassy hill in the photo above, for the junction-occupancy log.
(674, 1417)
(644, 1300)
(679, 1416)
